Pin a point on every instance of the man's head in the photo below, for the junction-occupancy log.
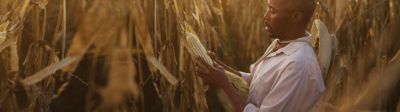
(284, 17)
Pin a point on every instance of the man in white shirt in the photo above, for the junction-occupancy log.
(285, 79)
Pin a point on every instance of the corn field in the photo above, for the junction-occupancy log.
(131, 55)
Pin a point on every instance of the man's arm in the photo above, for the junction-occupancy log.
(236, 99)
(246, 76)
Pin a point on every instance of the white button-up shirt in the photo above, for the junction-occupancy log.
(287, 80)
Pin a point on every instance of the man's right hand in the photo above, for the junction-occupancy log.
(219, 62)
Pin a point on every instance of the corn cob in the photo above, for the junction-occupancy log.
(195, 48)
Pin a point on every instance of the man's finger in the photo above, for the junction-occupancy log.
(219, 67)
(211, 54)
(213, 57)
(204, 76)
(202, 70)
(203, 63)
(202, 66)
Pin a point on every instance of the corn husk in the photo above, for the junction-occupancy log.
(320, 32)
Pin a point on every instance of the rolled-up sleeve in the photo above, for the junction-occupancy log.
(246, 76)
(251, 108)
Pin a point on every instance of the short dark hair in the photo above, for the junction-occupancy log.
(306, 7)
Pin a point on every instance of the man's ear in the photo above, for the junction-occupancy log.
(297, 17)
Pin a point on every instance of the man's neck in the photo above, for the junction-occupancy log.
(293, 35)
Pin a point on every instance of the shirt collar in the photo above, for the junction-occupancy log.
(293, 46)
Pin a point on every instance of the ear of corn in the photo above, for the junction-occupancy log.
(239, 83)
(196, 48)
(320, 32)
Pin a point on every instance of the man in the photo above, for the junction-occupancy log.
(288, 79)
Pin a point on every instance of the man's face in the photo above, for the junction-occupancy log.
(277, 18)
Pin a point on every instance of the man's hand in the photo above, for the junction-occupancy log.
(219, 62)
(213, 75)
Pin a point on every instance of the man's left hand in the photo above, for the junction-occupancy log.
(213, 75)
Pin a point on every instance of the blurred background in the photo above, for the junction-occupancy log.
(129, 55)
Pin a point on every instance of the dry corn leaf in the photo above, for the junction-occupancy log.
(341, 6)
(164, 71)
(44, 73)
(8, 42)
(142, 33)
(80, 45)
(396, 57)
(3, 32)
(239, 83)
(2, 37)
(24, 8)
(14, 58)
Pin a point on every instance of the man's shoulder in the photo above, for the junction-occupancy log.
(303, 55)
(305, 60)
